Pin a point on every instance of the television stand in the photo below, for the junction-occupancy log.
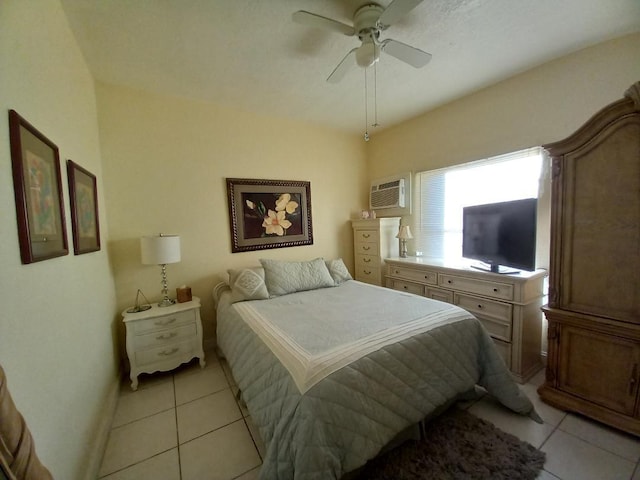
(485, 267)
(507, 305)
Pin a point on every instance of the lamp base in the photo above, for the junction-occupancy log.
(166, 302)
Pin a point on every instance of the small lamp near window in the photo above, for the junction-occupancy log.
(161, 250)
(404, 234)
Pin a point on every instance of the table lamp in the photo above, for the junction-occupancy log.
(161, 250)
(404, 234)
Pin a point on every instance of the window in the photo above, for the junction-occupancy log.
(444, 192)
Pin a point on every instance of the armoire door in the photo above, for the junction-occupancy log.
(599, 367)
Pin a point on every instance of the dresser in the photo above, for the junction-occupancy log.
(162, 338)
(507, 305)
(593, 365)
(374, 240)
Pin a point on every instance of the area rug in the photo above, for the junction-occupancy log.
(458, 445)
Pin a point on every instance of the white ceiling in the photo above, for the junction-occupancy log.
(250, 55)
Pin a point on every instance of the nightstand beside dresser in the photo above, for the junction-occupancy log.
(163, 338)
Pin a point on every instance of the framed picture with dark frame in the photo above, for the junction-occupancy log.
(37, 185)
(84, 209)
(269, 213)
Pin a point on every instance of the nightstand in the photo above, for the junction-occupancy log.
(162, 338)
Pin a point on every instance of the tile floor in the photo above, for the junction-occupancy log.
(187, 425)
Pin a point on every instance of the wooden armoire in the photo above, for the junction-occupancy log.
(593, 363)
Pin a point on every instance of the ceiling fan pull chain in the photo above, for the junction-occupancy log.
(375, 95)
(366, 109)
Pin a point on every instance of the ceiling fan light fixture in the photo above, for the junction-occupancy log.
(367, 54)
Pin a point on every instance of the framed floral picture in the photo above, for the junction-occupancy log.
(37, 186)
(269, 213)
(84, 209)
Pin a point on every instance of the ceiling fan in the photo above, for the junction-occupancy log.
(368, 22)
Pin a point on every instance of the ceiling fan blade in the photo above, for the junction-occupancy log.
(313, 20)
(408, 54)
(396, 10)
(344, 65)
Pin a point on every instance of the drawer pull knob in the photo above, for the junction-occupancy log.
(367, 272)
(405, 287)
(449, 281)
(495, 289)
(366, 260)
(166, 321)
(479, 305)
(366, 235)
(366, 248)
(166, 336)
(166, 353)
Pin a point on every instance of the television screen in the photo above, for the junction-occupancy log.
(501, 235)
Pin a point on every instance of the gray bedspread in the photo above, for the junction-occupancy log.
(349, 416)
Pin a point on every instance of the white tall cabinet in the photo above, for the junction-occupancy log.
(373, 241)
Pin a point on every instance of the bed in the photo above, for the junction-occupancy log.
(332, 369)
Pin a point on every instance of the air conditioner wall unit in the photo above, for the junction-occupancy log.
(387, 194)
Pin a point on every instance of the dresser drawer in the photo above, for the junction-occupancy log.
(163, 322)
(163, 353)
(439, 294)
(422, 276)
(366, 236)
(369, 261)
(495, 316)
(409, 287)
(504, 349)
(502, 291)
(488, 308)
(368, 274)
(164, 337)
(366, 248)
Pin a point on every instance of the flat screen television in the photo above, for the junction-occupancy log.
(501, 235)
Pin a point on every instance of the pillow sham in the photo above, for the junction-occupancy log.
(247, 284)
(282, 277)
(338, 271)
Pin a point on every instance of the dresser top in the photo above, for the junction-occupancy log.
(462, 265)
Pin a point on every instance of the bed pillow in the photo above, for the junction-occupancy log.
(284, 277)
(338, 271)
(247, 284)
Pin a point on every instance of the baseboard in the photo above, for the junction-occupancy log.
(95, 451)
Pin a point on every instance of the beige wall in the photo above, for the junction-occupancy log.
(542, 105)
(56, 340)
(165, 164)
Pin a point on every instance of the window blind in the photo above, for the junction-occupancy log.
(443, 193)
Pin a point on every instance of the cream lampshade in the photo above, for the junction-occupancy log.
(161, 250)
(404, 234)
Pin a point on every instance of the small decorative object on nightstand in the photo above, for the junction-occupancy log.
(404, 234)
(162, 338)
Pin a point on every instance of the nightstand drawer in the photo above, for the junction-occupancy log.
(421, 276)
(164, 337)
(366, 248)
(163, 353)
(409, 287)
(163, 322)
(498, 290)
